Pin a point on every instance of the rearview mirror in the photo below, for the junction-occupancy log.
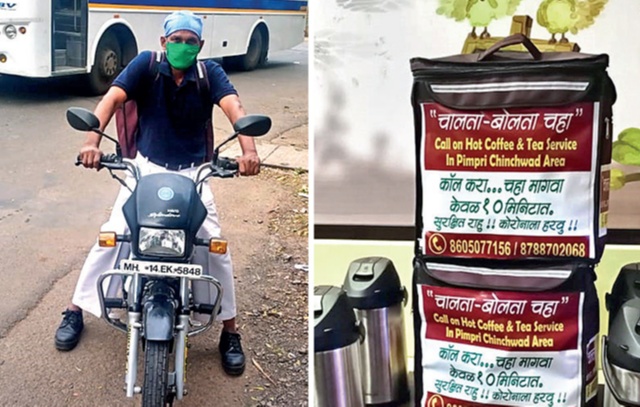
(253, 125)
(82, 119)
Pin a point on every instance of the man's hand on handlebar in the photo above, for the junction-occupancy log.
(249, 163)
(90, 156)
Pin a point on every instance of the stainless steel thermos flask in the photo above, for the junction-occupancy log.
(374, 290)
(337, 336)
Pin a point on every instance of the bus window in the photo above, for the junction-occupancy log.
(69, 39)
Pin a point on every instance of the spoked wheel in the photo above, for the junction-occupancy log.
(106, 66)
(155, 392)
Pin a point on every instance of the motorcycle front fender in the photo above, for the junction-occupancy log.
(159, 317)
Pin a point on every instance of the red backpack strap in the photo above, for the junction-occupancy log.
(127, 128)
(127, 114)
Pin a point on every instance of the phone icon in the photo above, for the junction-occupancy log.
(437, 243)
(435, 401)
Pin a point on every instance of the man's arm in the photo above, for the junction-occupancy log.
(90, 153)
(249, 163)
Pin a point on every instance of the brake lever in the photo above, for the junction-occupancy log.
(215, 172)
(227, 173)
(218, 171)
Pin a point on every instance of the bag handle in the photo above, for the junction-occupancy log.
(515, 39)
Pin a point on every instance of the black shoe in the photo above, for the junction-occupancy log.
(232, 355)
(69, 331)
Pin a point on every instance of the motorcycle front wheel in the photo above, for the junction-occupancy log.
(156, 374)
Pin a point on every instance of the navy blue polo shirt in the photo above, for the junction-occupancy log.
(172, 119)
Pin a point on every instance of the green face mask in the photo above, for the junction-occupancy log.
(182, 56)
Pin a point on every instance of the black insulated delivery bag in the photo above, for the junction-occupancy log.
(513, 164)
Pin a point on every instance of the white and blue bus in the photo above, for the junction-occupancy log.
(96, 38)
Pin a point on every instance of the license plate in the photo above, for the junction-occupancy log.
(162, 269)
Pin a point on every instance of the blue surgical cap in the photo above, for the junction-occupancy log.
(182, 20)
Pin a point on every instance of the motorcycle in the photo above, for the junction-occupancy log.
(157, 275)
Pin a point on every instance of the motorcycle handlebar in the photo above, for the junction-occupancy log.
(223, 167)
(115, 162)
(228, 164)
(107, 160)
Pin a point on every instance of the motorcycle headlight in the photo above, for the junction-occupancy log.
(161, 242)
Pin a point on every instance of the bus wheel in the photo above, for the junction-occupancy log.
(106, 66)
(255, 56)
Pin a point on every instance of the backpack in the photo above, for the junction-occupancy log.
(127, 115)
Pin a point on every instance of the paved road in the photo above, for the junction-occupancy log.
(50, 210)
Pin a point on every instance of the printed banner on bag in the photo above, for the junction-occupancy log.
(500, 348)
(510, 183)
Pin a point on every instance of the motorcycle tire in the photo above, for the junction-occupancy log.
(156, 374)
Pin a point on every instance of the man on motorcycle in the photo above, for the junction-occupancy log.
(172, 124)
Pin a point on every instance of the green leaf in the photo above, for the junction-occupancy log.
(626, 150)
(617, 179)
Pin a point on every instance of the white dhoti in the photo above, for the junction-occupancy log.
(101, 259)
